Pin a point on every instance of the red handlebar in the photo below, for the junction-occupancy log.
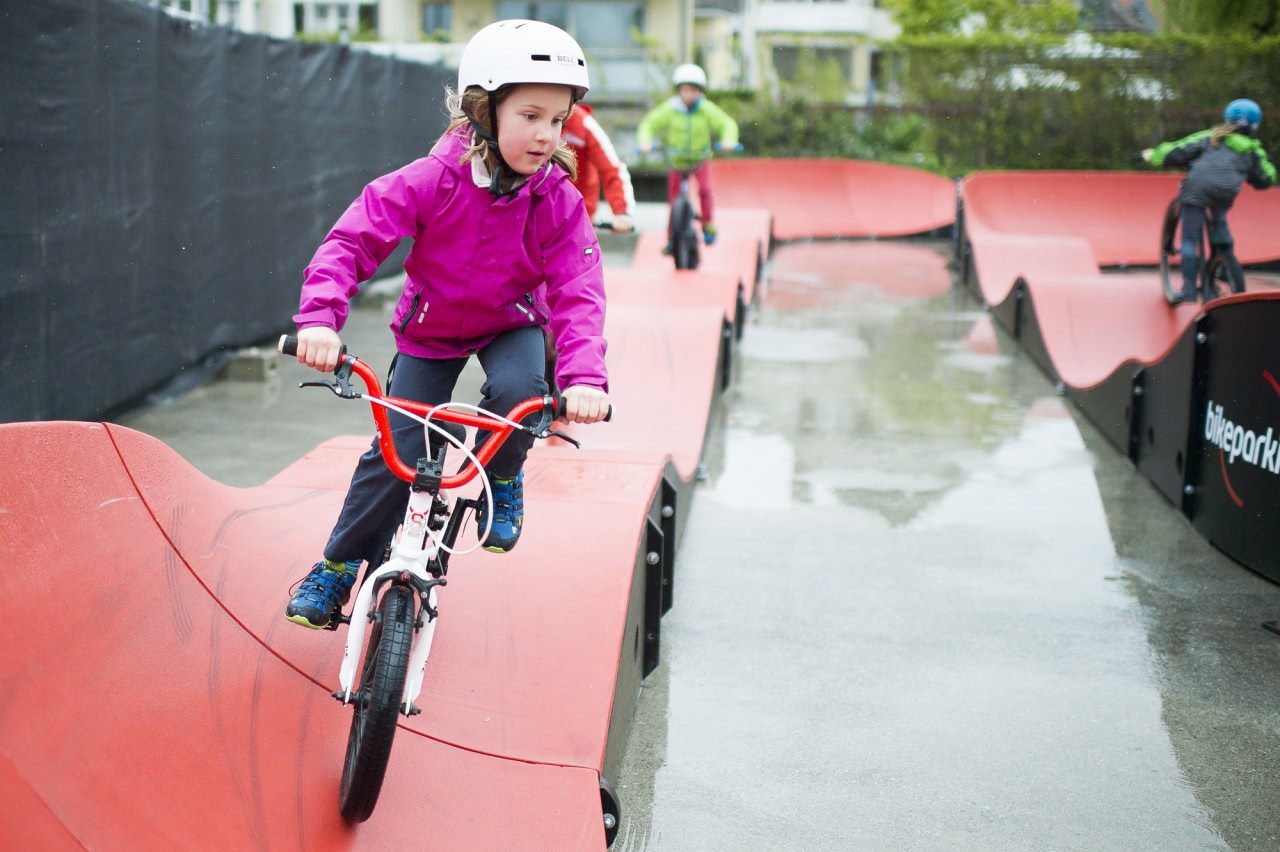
(501, 431)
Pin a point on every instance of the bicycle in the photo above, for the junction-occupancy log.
(403, 618)
(682, 233)
(1220, 267)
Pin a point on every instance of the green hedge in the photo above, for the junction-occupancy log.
(995, 101)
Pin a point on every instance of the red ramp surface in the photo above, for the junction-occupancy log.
(207, 715)
(1053, 230)
(740, 251)
(1135, 365)
(837, 198)
(1118, 214)
(138, 710)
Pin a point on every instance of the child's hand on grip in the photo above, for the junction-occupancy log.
(319, 348)
(584, 404)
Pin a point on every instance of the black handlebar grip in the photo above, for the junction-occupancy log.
(288, 345)
(560, 410)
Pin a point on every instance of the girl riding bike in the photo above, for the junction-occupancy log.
(503, 254)
(1220, 160)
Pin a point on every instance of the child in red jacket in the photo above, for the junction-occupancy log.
(598, 164)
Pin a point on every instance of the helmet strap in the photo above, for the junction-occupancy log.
(501, 169)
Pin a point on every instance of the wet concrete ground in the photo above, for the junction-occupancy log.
(921, 604)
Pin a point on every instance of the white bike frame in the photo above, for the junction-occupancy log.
(412, 550)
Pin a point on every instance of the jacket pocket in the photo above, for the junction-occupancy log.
(414, 314)
(530, 310)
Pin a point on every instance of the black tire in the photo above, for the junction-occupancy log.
(687, 250)
(377, 710)
(1169, 253)
(1222, 275)
(684, 237)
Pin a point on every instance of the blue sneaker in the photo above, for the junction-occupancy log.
(508, 514)
(322, 593)
(709, 234)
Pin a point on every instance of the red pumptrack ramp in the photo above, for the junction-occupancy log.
(1119, 214)
(208, 716)
(745, 235)
(1050, 231)
(898, 271)
(812, 198)
(1154, 379)
(140, 708)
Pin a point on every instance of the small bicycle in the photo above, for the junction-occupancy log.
(398, 599)
(1219, 268)
(682, 235)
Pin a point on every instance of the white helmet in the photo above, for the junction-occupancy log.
(523, 52)
(689, 73)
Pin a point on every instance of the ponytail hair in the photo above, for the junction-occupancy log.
(473, 105)
(1222, 131)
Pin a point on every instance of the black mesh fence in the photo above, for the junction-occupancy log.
(165, 184)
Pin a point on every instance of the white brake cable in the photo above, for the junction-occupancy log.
(484, 478)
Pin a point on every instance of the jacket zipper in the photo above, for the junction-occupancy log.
(528, 314)
(528, 297)
(413, 309)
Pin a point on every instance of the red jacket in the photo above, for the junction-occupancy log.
(598, 163)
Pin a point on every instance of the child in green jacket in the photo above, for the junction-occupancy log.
(686, 125)
(1220, 160)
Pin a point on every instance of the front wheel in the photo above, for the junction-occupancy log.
(1169, 254)
(683, 235)
(377, 704)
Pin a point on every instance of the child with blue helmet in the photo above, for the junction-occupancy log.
(1219, 160)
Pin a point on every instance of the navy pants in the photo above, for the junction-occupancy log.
(1193, 223)
(515, 369)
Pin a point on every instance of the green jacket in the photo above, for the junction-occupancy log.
(1216, 173)
(687, 133)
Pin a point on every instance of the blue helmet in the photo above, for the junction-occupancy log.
(1244, 112)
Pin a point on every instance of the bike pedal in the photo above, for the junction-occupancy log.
(414, 710)
(336, 621)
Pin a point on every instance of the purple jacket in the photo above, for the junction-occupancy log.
(479, 265)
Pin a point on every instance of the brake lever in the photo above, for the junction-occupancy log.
(552, 433)
(542, 429)
(341, 385)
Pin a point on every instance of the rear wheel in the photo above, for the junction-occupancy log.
(377, 704)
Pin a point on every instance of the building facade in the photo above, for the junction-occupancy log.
(773, 44)
(631, 44)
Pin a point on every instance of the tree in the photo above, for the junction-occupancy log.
(1250, 17)
(964, 17)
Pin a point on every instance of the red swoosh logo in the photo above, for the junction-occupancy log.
(1222, 461)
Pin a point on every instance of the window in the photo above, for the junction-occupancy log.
(597, 24)
(437, 18)
(607, 24)
(548, 11)
(791, 63)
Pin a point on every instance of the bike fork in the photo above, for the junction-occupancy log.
(412, 551)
